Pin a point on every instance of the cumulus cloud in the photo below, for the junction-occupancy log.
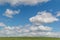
(2, 24)
(24, 2)
(45, 28)
(8, 30)
(43, 17)
(40, 28)
(11, 30)
(53, 34)
(10, 13)
(28, 30)
(58, 14)
(32, 29)
(18, 31)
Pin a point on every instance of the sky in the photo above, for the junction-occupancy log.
(30, 18)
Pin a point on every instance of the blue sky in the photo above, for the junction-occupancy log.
(16, 13)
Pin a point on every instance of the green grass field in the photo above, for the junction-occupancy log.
(28, 38)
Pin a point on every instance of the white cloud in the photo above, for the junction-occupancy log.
(53, 34)
(24, 2)
(43, 17)
(2, 24)
(31, 31)
(18, 31)
(40, 28)
(8, 30)
(10, 13)
(58, 13)
(34, 29)
(45, 28)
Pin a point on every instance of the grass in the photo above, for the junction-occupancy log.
(28, 38)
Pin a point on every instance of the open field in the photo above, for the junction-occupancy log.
(28, 38)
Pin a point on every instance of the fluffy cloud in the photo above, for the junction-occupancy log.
(58, 14)
(45, 28)
(53, 34)
(31, 29)
(11, 30)
(17, 31)
(28, 30)
(43, 17)
(25, 2)
(2, 24)
(40, 28)
(9, 13)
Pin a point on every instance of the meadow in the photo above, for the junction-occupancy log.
(28, 38)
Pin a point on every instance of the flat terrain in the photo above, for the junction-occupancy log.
(28, 38)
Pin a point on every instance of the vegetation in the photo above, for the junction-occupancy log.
(28, 38)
